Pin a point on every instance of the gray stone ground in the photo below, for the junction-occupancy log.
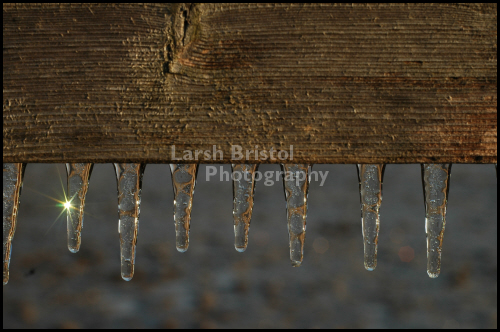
(212, 285)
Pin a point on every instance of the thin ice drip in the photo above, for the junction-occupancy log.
(436, 182)
(296, 185)
(12, 184)
(370, 190)
(129, 178)
(78, 184)
(243, 191)
(184, 181)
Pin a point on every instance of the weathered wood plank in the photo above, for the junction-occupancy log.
(344, 83)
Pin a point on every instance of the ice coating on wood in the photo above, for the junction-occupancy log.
(243, 191)
(78, 184)
(129, 178)
(435, 178)
(296, 185)
(370, 189)
(183, 181)
(12, 183)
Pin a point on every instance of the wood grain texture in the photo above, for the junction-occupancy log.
(344, 83)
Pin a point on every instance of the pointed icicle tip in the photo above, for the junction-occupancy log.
(436, 184)
(296, 187)
(78, 184)
(370, 190)
(243, 193)
(12, 184)
(183, 181)
(129, 180)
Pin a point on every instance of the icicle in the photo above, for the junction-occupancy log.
(129, 178)
(296, 185)
(436, 182)
(184, 181)
(243, 190)
(78, 184)
(370, 190)
(12, 184)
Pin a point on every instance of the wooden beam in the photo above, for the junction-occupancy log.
(341, 83)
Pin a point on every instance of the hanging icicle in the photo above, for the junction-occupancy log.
(296, 185)
(183, 181)
(129, 178)
(12, 184)
(78, 184)
(436, 183)
(243, 191)
(370, 189)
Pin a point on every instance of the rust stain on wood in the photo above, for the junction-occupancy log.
(342, 83)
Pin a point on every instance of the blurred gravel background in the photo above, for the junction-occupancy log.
(212, 285)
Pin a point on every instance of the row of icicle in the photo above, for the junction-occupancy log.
(435, 178)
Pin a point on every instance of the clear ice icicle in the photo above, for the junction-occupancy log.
(78, 184)
(183, 181)
(436, 183)
(370, 190)
(129, 178)
(296, 186)
(243, 191)
(12, 184)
